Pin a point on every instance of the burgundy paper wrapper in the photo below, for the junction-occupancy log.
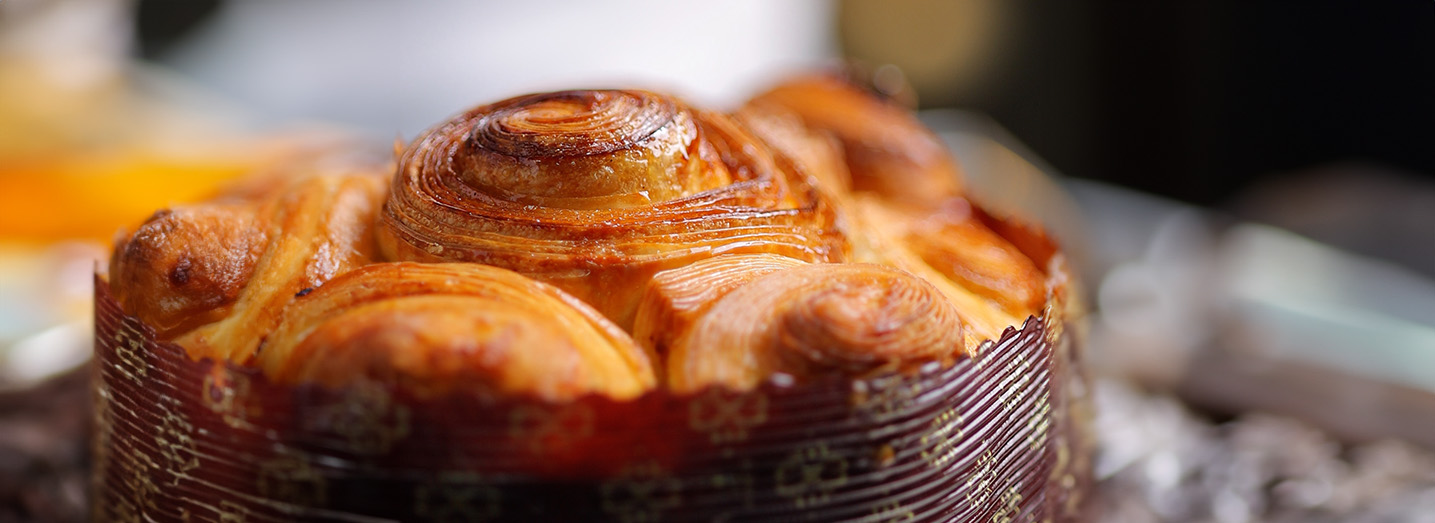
(1001, 437)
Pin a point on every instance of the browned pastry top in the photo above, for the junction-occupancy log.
(596, 242)
(887, 150)
(595, 191)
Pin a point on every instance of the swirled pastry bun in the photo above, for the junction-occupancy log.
(886, 149)
(605, 242)
(758, 317)
(676, 298)
(443, 327)
(596, 191)
(905, 207)
(216, 277)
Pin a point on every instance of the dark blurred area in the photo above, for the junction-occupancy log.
(1195, 100)
(162, 24)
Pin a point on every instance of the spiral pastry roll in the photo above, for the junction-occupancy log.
(884, 236)
(439, 328)
(595, 191)
(215, 277)
(954, 242)
(735, 322)
(811, 153)
(887, 149)
(905, 207)
(676, 298)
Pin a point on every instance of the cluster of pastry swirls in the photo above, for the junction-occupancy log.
(580, 242)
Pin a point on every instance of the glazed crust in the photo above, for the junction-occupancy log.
(595, 242)
(954, 242)
(905, 206)
(595, 191)
(886, 149)
(676, 298)
(436, 328)
(185, 267)
(760, 318)
(215, 277)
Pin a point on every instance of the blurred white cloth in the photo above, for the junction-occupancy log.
(399, 67)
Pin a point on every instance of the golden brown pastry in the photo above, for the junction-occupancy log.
(436, 328)
(812, 154)
(803, 321)
(881, 237)
(718, 242)
(887, 150)
(595, 191)
(186, 266)
(953, 241)
(216, 277)
(602, 294)
(905, 208)
(676, 298)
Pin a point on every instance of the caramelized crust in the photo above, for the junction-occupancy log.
(675, 298)
(905, 209)
(887, 150)
(215, 277)
(815, 155)
(808, 320)
(319, 227)
(525, 236)
(185, 267)
(436, 328)
(956, 244)
(595, 191)
(881, 239)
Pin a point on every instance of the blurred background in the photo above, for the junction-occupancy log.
(1248, 187)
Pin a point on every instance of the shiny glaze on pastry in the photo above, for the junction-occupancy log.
(186, 266)
(813, 154)
(595, 191)
(818, 229)
(675, 298)
(440, 327)
(887, 150)
(955, 243)
(905, 208)
(880, 237)
(802, 321)
(216, 277)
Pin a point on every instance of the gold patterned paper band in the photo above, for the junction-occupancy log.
(995, 438)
